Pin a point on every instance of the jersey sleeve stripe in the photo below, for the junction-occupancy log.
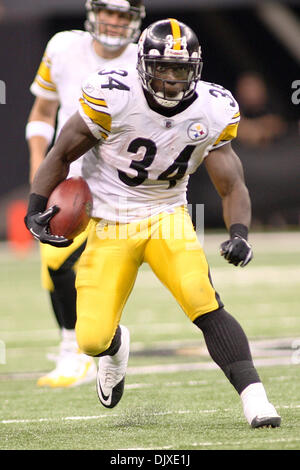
(229, 133)
(45, 85)
(43, 76)
(97, 101)
(235, 121)
(102, 119)
(103, 135)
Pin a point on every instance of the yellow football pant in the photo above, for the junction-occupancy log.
(109, 265)
(54, 257)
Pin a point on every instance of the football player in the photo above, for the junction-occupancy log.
(155, 124)
(113, 27)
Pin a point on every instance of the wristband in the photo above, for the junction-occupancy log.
(36, 204)
(238, 229)
(39, 128)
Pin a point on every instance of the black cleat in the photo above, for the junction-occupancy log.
(266, 422)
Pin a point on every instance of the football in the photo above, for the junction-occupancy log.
(74, 199)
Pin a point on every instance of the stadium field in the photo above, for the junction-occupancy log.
(175, 398)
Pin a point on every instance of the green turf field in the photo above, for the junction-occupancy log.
(175, 398)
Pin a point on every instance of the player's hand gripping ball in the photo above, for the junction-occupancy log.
(75, 202)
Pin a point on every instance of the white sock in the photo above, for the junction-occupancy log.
(256, 390)
(68, 340)
(254, 399)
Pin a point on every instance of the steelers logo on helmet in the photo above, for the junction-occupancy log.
(111, 35)
(197, 131)
(169, 44)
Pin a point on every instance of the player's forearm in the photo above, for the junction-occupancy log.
(237, 206)
(74, 140)
(38, 147)
(40, 131)
(48, 175)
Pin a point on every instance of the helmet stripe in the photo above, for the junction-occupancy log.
(176, 34)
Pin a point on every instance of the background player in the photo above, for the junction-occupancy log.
(112, 28)
(156, 125)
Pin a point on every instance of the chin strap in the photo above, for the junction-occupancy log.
(159, 98)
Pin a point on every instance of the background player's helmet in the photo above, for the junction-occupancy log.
(169, 41)
(132, 31)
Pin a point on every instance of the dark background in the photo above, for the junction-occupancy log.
(233, 39)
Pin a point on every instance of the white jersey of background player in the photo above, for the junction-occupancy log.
(69, 57)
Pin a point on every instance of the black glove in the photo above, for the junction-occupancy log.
(237, 250)
(37, 221)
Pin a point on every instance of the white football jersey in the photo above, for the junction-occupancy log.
(69, 58)
(142, 163)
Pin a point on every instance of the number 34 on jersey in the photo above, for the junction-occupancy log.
(143, 149)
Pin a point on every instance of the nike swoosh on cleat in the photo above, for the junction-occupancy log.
(105, 397)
